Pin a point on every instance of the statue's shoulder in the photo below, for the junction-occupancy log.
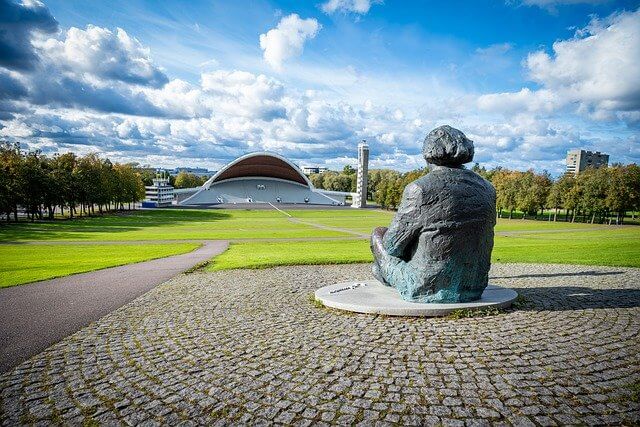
(416, 189)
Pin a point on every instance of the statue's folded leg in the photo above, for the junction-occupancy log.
(392, 271)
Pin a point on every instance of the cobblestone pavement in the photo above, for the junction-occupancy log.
(251, 347)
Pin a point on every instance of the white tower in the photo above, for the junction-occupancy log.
(360, 199)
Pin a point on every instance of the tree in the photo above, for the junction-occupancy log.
(87, 176)
(317, 180)
(595, 185)
(334, 181)
(623, 193)
(349, 170)
(373, 179)
(34, 183)
(389, 189)
(188, 180)
(11, 186)
(541, 187)
(558, 193)
(505, 183)
(62, 166)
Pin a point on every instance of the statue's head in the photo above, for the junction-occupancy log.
(446, 146)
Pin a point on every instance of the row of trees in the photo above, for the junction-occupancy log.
(335, 181)
(186, 180)
(593, 195)
(181, 180)
(385, 186)
(40, 184)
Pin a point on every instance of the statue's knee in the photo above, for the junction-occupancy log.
(378, 233)
(377, 248)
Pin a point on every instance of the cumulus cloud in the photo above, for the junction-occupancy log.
(94, 68)
(97, 89)
(245, 94)
(526, 100)
(105, 55)
(355, 6)
(596, 71)
(18, 21)
(67, 92)
(287, 39)
(598, 68)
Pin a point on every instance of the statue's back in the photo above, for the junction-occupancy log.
(453, 251)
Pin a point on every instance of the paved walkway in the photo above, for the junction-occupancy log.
(34, 316)
(249, 347)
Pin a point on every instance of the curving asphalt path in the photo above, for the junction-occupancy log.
(35, 316)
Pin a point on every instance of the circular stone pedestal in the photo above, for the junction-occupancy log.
(371, 296)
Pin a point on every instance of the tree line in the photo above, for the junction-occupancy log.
(594, 195)
(385, 186)
(40, 184)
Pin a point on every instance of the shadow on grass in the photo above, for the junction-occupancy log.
(567, 298)
(580, 273)
(60, 229)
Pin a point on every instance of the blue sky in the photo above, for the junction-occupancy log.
(198, 83)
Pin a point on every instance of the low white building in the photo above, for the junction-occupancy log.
(159, 194)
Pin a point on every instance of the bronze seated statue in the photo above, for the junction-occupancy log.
(438, 247)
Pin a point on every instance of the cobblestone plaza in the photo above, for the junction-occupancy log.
(251, 347)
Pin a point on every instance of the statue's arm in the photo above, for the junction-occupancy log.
(405, 226)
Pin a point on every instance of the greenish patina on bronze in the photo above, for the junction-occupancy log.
(438, 247)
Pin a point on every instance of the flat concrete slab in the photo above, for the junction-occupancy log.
(372, 297)
(36, 315)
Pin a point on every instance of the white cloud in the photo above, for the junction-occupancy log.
(179, 98)
(598, 68)
(245, 94)
(596, 72)
(287, 39)
(103, 54)
(356, 6)
(101, 91)
(517, 102)
(18, 23)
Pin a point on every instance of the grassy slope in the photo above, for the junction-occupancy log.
(614, 247)
(611, 246)
(29, 263)
(268, 254)
(366, 220)
(165, 224)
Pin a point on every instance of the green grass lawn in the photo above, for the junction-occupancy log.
(29, 263)
(364, 220)
(169, 224)
(516, 240)
(358, 220)
(614, 246)
(618, 246)
(270, 254)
